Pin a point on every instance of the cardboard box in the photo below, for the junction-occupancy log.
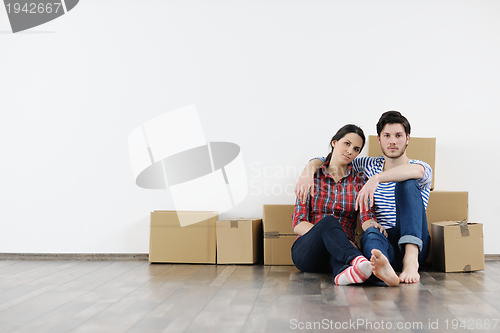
(278, 218)
(195, 243)
(278, 234)
(278, 250)
(458, 246)
(239, 241)
(423, 149)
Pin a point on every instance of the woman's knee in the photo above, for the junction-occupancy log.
(329, 221)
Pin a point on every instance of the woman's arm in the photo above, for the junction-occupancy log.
(306, 181)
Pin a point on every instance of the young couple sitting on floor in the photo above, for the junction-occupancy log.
(389, 194)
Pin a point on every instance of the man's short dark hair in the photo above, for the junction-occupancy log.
(393, 117)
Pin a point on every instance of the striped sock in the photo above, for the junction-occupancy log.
(359, 271)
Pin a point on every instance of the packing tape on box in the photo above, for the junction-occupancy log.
(276, 234)
(202, 176)
(464, 228)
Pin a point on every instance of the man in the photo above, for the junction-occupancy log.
(399, 189)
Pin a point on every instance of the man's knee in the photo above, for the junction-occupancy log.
(408, 192)
(407, 185)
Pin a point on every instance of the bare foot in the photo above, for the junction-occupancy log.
(410, 265)
(383, 269)
(410, 271)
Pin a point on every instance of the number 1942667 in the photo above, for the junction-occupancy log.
(33, 8)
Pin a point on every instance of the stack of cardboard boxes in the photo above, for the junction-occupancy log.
(205, 240)
(278, 234)
(456, 245)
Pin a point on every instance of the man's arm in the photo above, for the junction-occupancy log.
(400, 173)
(306, 181)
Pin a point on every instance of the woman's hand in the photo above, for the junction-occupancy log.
(374, 224)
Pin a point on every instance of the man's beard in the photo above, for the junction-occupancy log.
(402, 151)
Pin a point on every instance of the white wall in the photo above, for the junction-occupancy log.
(276, 77)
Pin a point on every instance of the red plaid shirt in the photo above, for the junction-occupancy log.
(337, 199)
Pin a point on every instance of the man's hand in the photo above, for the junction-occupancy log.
(365, 198)
(304, 184)
(306, 180)
(374, 224)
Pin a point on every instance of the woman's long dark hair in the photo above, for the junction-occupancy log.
(350, 128)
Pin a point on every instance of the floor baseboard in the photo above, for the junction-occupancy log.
(110, 256)
(492, 257)
(75, 256)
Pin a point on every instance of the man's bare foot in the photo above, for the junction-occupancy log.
(410, 265)
(383, 269)
(410, 271)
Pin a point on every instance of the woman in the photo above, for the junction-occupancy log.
(326, 222)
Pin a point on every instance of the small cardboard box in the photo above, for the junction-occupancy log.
(458, 246)
(278, 234)
(239, 241)
(423, 149)
(194, 243)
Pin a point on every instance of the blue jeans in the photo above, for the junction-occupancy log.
(324, 248)
(411, 228)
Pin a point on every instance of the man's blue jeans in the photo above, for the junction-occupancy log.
(411, 228)
(324, 248)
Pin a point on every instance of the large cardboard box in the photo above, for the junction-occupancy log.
(239, 241)
(423, 149)
(447, 206)
(458, 246)
(194, 243)
(278, 234)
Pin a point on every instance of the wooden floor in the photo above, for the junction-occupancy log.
(135, 296)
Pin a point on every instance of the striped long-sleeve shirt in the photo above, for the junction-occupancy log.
(333, 198)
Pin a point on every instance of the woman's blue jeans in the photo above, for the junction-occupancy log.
(411, 228)
(324, 248)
